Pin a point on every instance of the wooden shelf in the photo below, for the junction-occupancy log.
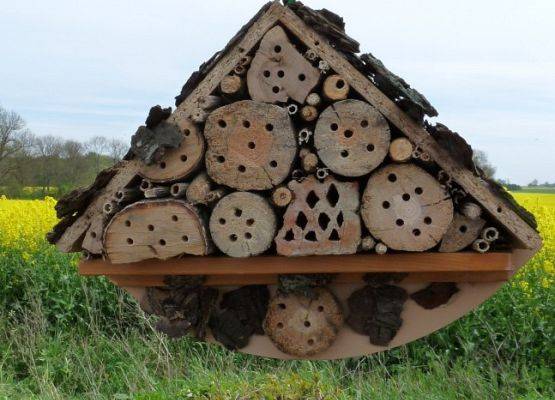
(221, 271)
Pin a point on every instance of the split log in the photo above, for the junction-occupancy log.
(243, 224)
(321, 220)
(179, 163)
(281, 197)
(462, 232)
(401, 150)
(309, 113)
(302, 326)
(251, 146)
(481, 246)
(406, 208)
(157, 192)
(471, 210)
(179, 189)
(309, 162)
(126, 196)
(368, 243)
(352, 138)
(313, 99)
(279, 72)
(335, 88)
(155, 229)
(198, 189)
(232, 85)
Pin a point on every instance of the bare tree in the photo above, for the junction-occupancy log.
(118, 149)
(97, 147)
(480, 158)
(14, 139)
(48, 150)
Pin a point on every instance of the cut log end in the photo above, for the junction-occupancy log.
(335, 88)
(401, 150)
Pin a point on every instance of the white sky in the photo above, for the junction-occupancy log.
(81, 68)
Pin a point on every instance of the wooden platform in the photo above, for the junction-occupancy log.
(224, 271)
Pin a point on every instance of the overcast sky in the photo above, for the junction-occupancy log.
(83, 68)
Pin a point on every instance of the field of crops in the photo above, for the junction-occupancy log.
(63, 336)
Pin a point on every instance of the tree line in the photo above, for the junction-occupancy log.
(36, 166)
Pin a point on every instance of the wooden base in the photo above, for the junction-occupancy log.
(226, 271)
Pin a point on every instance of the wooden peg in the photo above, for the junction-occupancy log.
(336, 88)
(309, 113)
(281, 196)
(400, 150)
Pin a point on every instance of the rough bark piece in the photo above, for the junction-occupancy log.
(462, 232)
(305, 285)
(406, 208)
(401, 150)
(251, 146)
(150, 145)
(335, 88)
(228, 330)
(301, 326)
(279, 72)
(155, 229)
(352, 138)
(435, 295)
(178, 163)
(322, 219)
(156, 115)
(243, 224)
(375, 311)
(250, 304)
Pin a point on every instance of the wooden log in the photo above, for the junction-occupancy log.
(128, 195)
(309, 113)
(481, 246)
(368, 243)
(322, 219)
(400, 150)
(281, 196)
(155, 229)
(303, 326)
(157, 192)
(471, 210)
(406, 208)
(313, 99)
(232, 85)
(462, 232)
(179, 163)
(335, 88)
(198, 189)
(309, 162)
(279, 72)
(251, 146)
(179, 189)
(243, 224)
(352, 138)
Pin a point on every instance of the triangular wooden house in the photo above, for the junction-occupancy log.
(285, 144)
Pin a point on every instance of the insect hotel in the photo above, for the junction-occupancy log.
(297, 204)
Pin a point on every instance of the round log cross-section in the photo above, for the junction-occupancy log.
(251, 146)
(406, 208)
(155, 229)
(352, 138)
(243, 224)
(178, 163)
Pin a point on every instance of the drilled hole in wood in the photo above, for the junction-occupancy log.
(277, 49)
(246, 124)
(273, 164)
(416, 232)
(93, 235)
(129, 241)
(310, 342)
(340, 84)
(406, 197)
(150, 228)
(222, 123)
(323, 221)
(302, 77)
(183, 158)
(238, 212)
(250, 222)
(252, 145)
(349, 133)
(321, 308)
(428, 221)
(311, 236)
(340, 219)
(392, 177)
(317, 43)
(463, 228)
(187, 132)
(499, 210)
(280, 74)
(312, 199)
(332, 195)
(242, 168)
(248, 235)
(185, 238)
(222, 221)
(282, 306)
(275, 89)
(163, 165)
(334, 127)
(307, 324)
(174, 218)
(400, 222)
(344, 154)
(269, 127)
(233, 237)
(483, 245)
(267, 74)
(370, 147)
(364, 123)
(128, 223)
(386, 204)
(301, 220)
(418, 190)
(221, 159)
(334, 236)
(280, 325)
(289, 236)
(162, 242)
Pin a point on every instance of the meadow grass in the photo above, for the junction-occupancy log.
(64, 336)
